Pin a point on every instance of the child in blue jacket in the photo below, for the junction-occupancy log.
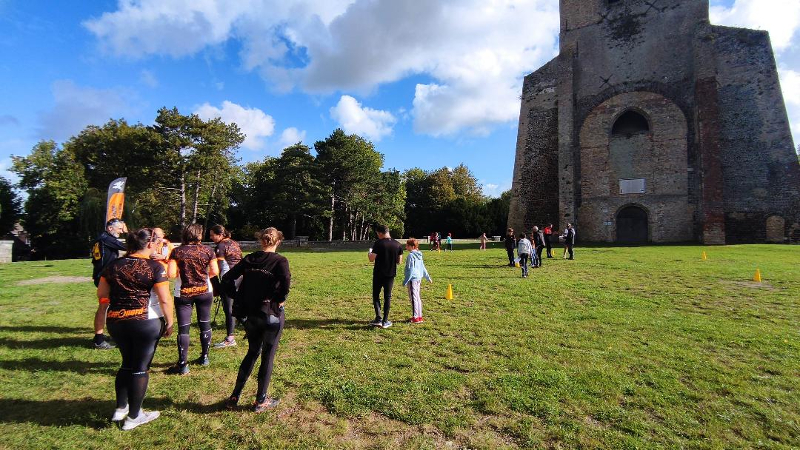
(414, 273)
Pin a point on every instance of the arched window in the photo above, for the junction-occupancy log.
(630, 123)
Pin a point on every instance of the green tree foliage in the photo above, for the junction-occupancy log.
(56, 183)
(10, 206)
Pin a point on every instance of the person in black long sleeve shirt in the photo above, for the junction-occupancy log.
(511, 244)
(258, 304)
(105, 251)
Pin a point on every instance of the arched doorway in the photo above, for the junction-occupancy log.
(632, 226)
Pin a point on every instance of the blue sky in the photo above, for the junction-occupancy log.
(431, 83)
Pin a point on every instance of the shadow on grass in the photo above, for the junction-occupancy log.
(45, 329)
(88, 412)
(40, 344)
(77, 366)
(341, 324)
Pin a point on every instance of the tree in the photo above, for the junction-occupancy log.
(348, 163)
(299, 191)
(10, 206)
(56, 184)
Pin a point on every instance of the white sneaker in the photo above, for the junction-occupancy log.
(119, 414)
(144, 417)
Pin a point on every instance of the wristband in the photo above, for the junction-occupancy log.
(105, 300)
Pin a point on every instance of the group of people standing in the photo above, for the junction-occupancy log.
(135, 303)
(531, 249)
(435, 241)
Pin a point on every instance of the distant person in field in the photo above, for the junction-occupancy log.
(136, 290)
(265, 284)
(483, 239)
(438, 241)
(415, 271)
(105, 250)
(524, 249)
(432, 241)
(228, 255)
(511, 244)
(569, 241)
(449, 241)
(387, 254)
(538, 245)
(548, 234)
(192, 263)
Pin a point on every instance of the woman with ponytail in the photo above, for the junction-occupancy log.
(259, 306)
(228, 255)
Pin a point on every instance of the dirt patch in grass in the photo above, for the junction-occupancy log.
(54, 279)
(751, 284)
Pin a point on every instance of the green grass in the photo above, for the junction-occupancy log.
(622, 348)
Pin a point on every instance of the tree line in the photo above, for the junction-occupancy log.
(183, 169)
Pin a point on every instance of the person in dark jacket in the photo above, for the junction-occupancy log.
(538, 245)
(105, 251)
(511, 244)
(569, 241)
(258, 304)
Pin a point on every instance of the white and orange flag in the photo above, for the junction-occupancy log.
(116, 199)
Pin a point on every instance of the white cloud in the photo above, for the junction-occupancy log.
(148, 78)
(355, 119)
(494, 190)
(291, 136)
(790, 84)
(254, 123)
(780, 17)
(475, 51)
(78, 106)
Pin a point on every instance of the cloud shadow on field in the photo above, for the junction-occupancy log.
(343, 324)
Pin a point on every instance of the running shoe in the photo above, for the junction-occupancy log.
(376, 323)
(119, 414)
(178, 369)
(418, 320)
(269, 403)
(231, 402)
(202, 360)
(226, 343)
(386, 324)
(143, 418)
(103, 346)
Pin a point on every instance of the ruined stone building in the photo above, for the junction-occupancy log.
(652, 125)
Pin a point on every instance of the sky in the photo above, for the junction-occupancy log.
(431, 83)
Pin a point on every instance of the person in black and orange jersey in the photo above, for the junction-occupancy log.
(228, 255)
(163, 248)
(194, 263)
(105, 250)
(136, 290)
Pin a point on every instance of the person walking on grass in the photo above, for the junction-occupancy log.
(449, 241)
(483, 239)
(548, 234)
(415, 271)
(538, 245)
(387, 254)
(569, 241)
(511, 244)
(136, 290)
(105, 251)
(228, 254)
(192, 263)
(524, 249)
(259, 305)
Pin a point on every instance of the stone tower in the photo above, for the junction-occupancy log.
(652, 125)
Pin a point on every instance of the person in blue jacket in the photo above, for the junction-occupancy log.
(414, 273)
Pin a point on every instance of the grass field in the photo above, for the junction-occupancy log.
(622, 348)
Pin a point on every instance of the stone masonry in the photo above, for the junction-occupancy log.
(652, 125)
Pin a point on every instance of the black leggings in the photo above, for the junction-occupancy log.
(510, 253)
(385, 283)
(183, 309)
(263, 338)
(227, 308)
(137, 341)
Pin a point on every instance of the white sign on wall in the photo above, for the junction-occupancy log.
(635, 186)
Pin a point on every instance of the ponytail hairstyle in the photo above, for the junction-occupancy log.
(192, 233)
(219, 230)
(269, 237)
(139, 239)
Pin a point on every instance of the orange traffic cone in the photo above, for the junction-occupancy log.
(757, 276)
(703, 256)
(449, 294)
